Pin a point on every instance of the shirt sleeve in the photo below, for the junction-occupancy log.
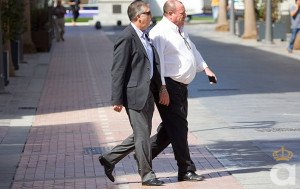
(201, 64)
(159, 44)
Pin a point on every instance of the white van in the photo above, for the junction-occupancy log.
(192, 7)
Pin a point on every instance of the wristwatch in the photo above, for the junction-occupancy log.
(163, 90)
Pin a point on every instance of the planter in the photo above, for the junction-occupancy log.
(241, 23)
(14, 45)
(42, 40)
(278, 28)
(5, 68)
(278, 31)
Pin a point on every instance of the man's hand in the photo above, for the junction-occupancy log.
(209, 73)
(118, 108)
(164, 98)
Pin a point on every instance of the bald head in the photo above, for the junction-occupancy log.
(175, 12)
(169, 6)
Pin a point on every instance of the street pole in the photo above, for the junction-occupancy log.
(1, 61)
(268, 34)
(232, 18)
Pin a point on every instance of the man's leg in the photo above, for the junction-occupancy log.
(62, 28)
(120, 151)
(292, 40)
(141, 122)
(159, 141)
(56, 29)
(175, 125)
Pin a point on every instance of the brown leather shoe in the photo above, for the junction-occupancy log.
(153, 182)
(190, 176)
(108, 168)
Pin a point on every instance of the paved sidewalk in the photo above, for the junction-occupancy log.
(17, 112)
(74, 122)
(67, 120)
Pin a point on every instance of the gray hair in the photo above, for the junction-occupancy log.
(136, 7)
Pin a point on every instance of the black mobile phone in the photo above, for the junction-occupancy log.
(212, 79)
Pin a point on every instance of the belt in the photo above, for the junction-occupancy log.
(179, 83)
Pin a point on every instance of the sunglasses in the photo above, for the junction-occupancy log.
(148, 13)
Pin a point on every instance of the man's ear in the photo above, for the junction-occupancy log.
(138, 16)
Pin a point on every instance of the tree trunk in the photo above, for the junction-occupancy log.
(297, 42)
(222, 24)
(28, 45)
(250, 31)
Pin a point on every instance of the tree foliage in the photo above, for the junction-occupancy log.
(12, 19)
(262, 9)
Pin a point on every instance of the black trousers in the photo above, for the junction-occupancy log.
(75, 13)
(174, 126)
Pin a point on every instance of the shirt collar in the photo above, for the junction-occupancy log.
(172, 25)
(138, 31)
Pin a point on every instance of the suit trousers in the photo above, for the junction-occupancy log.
(174, 126)
(59, 28)
(141, 123)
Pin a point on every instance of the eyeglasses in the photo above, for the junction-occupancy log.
(148, 13)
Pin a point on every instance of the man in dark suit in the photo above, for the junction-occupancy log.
(135, 72)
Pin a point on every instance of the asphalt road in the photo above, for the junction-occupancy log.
(253, 111)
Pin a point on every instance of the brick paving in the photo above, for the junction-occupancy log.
(74, 114)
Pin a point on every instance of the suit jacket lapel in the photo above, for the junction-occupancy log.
(138, 41)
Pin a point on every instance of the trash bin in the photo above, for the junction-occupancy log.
(14, 45)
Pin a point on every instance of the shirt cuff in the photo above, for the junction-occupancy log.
(163, 82)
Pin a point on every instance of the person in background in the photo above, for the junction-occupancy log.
(295, 24)
(59, 19)
(215, 9)
(75, 7)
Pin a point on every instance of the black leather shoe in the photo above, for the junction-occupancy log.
(153, 182)
(108, 168)
(190, 176)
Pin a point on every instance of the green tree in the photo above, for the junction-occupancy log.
(12, 24)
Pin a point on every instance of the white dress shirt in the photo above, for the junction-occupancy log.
(147, 46)
(179, 58)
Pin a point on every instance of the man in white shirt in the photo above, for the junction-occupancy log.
(179, 60)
